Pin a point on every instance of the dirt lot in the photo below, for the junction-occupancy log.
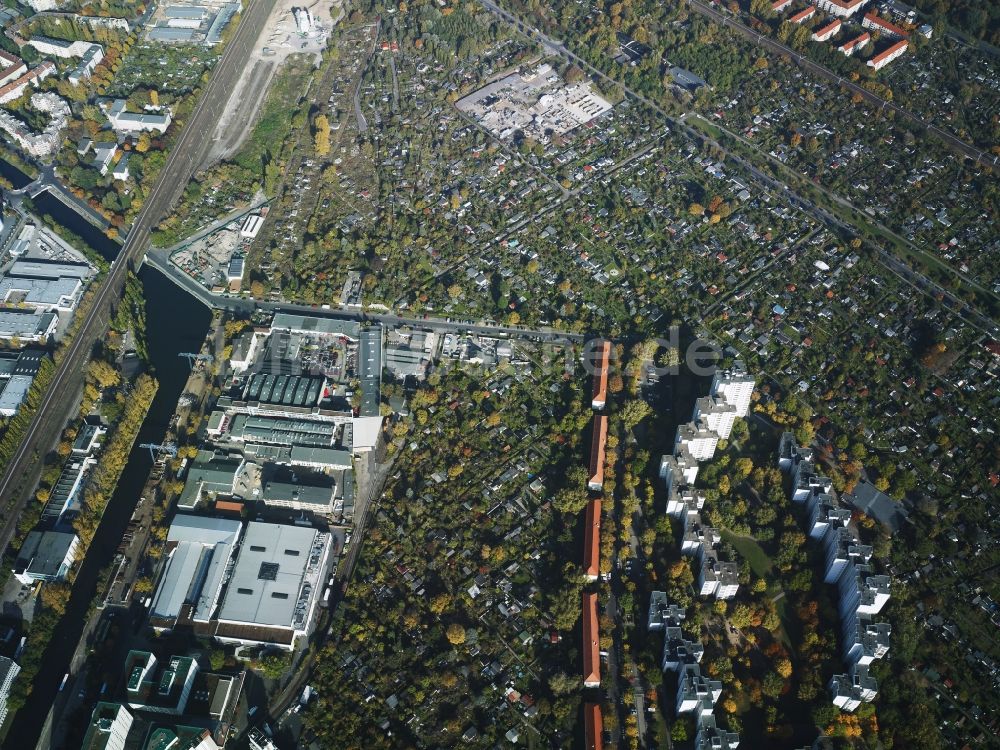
(279, 40)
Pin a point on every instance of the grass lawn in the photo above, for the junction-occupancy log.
(747, 547)
(761, 565)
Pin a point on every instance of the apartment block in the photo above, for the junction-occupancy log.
(866, 641)
(591, 642)
(853, 45)
(803, 15)
(841, 8)
(806, 481)
(882, 26)
(716, 414)
(592, 541)
(602, 357)
(696, 693)
(697, 440)
(827, 32)
(862, 593)
(716, 577)
(678, 470)
(711, 737)
(881, 60)
(790, 453)
(679, 503)
(824, 515)
(734, 386)
(597, 447)
(842, 549)
(697, 534)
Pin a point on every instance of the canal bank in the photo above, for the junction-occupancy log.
(174, 325)
(48, 205)
(17, 178)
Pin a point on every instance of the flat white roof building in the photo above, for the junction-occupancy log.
(27, 324)
(697, 439)
(275, 584)
(14, 392)
(734, 386)
(718, 414)
(251, 226)
(135, 122)
(46, 556)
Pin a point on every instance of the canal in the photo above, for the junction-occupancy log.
(47, 204)
(13, 175)
(175, 323)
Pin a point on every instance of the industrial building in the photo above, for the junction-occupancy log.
(299, 497)
(538, 103)
(27, 325)
(286, 390)
(197, 552)
(17, 373)
(258, 583)
(275, 585)
(249, 428)
(46, 556)
(306, 324)
(44, 286)
(209, 476)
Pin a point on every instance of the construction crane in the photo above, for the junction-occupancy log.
(192, 357)
(154, 448)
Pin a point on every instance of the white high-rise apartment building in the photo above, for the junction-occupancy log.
(735, 387)
(717, 414)
(698, 439)
(8, 671)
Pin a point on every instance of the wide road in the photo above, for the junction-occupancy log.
(188, 152)
(158, 259)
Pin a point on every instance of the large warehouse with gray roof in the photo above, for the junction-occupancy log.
(253, 583)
